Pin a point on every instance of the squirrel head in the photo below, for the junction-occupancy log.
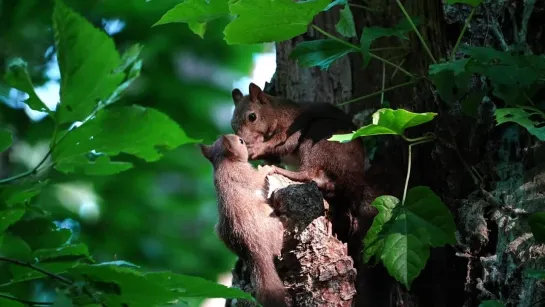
(253, 114)
(227, 146)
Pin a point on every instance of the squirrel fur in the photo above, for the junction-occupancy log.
(247, 224)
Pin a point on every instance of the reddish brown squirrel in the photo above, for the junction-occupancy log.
(247, 224)
(277, 128)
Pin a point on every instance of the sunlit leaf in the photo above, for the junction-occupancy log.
(387, 121)
(284, 20)
(134, 130)
(518, 115)
(199, 28)
(17, 76)
(195, 11)
(320, 53)
(87, 74)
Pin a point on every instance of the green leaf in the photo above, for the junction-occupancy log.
(369, 34)
(23, 274)
(387, 121)
(5, 139)
(9, 217)
(134, 130)
(470, 104)
(533, 273)
(518, 115)
(15, 247)
(4, 302)
(190, 286)
(261, 21)
(537, 225)
(406, 232)
(70, 250)
(335, 2)
(125, 285)
(195, 11)
(21, 192)
(470, 2)
(491, 303)
(199, 28)
(346, 26)
(17, 76)
(450, 79)
(320, 53)
(131, 64)
(87, 74)
(385, 204)
(40, 232)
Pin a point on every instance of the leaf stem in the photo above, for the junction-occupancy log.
(348, 44)
(367, 8)
(26, 302)
(387, 48)
(383, 84)
(380, 92)
(420, 140)
(29, 172)
(416, 31)
(466, 24)
(35, 268)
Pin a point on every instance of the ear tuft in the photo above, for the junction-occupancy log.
(237, 95)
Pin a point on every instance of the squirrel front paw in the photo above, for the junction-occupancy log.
(267, 169)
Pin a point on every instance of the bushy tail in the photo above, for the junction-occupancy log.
(270, 290)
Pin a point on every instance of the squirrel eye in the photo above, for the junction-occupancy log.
(252, 117)
(241, 141)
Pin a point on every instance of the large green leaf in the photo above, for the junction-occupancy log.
(21, 192)
(134, 130)
(470, 2)
(9, 217)
(369, 34)
(191, 286)
(5, 139)
(15, 247)
(387, 121)
(87, 73)
(537, 224)
(491, 303)
(346, 26)
(17, 76)
(131, 64)
(196, 11)
(23, 274)
(4, 302)
(261, 21)
(320, 53)
(70, 250)
(406, 232)
(385, 204)
(41, 233)
(521, 117)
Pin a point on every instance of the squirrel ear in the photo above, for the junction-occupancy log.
(206, 151)
(237, 95)
(256, 93)
(226, 144)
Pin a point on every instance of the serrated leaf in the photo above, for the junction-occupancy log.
(191, 286)
(195, 11)
(537, 225)
(320, 53)
(470, 2)
(17, 77)
(385, 204)
(387, 121)
(491, 303)
(517, 115)
(284, 20)
(125, 285)
(198, 28)
(87, 74)
(21, 192)
(133, 130)
(70, 250)
(346, 26)
(5, 139)
(9, 217)
(131, 64)
(404, 239)
(369, 34)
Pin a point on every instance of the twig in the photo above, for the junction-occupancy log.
(466, 24)
(22, 301)
(29, 172)
(391, 88)
(383, 84)
(416, 31)
(35, 268)
(417, 141)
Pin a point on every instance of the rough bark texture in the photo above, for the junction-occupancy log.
(495, 244)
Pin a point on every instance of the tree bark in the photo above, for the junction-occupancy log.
(495, 244)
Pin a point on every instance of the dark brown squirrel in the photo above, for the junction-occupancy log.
(247, 224)
(275, 127)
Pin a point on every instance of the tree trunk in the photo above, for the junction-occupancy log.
(494, 242)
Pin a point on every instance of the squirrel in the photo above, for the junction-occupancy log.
(247, 223)
(278, 128)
